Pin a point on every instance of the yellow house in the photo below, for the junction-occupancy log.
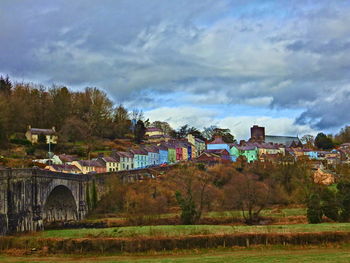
(33, 134)
(63, 168)
(153, 131)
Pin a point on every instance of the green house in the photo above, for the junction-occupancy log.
(250, 152)
(171, 153)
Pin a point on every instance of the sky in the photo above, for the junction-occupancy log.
(280, 64)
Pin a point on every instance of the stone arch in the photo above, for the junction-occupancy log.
(60, 205)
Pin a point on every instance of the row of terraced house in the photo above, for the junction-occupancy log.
(163, 150)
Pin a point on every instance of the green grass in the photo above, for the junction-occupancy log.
(266, 212)
(228, 255)
(181, 230)
(286, 212)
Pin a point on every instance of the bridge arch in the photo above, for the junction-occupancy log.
(60, 205)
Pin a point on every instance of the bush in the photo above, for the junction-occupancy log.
(30, 150)
(330, 204)
(20, 141)
(188, 209)
(314, 210)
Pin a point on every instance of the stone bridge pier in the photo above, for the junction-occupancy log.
(31, 197)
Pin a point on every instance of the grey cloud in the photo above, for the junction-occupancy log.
(289, 54)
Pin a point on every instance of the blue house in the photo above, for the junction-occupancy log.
(163, 154)
(218, 144)
(312, 154)
(140, 158)
(153, 155)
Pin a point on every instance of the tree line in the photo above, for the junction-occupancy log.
(79, 115)
(76, 115)
(194, 189)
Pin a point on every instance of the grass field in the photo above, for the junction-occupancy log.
(266, 212)
(325, 255)
(182, 230)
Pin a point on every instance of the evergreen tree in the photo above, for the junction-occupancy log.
(188, 209)
(94, 196)
(314, 210)
(139, 132)
(323, 142)
(330, 204)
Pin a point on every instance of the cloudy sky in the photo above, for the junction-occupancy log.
(284, 64)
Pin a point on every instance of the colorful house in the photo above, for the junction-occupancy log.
(234, 152)
(63, 168)
(126, 160)
(171, 152)
(200, 146)
(222, 153)
(250, 152)
(89, 166)
(269, 149)
(179, 152)
(311, 154)
(140, 158)
(191, 140)
(218, 144)
(163, 154)
(153, 155)
(154, 131)
(111, 163)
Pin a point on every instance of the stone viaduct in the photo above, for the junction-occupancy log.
(31, 197)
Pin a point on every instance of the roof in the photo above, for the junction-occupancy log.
(65, 167)
(218, 152)
(285, 140)
(109, 159)
(91, 163)
(153, 129)
(125, 154)
(151, 149)
(266, 145)
(138, 151)
(169, 145)
(158, 136)
(67, 158)
(246, 147)
(162, 148)
(199, 140)
(42, 131)
(217, 140)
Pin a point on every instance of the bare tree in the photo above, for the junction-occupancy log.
(246, 193)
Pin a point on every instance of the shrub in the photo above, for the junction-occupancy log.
(188, 209)
(314, 210)
(20, 141)
(330, 204)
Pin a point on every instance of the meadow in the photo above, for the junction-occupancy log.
(188, 230)
(252, 255)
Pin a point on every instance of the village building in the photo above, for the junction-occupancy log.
(111, 163)
(126, 160)
(33, 135)
(163, 154)
(218, 144)
(140, 158)
(153, 155)
(63, 168)
(89, 166)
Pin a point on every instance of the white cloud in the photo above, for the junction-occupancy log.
(239, 126)
(286, 54)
